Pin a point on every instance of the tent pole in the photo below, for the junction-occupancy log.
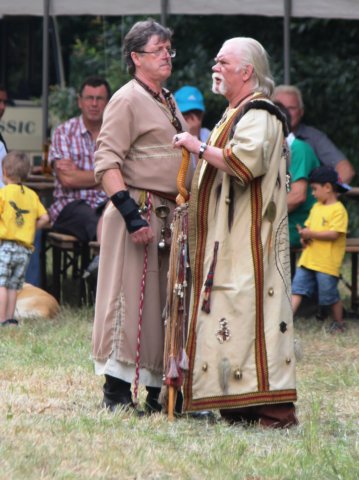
(286, 32)
(164, 12)
(58, 53)
(45, 70)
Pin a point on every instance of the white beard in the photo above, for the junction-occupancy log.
(221, 88)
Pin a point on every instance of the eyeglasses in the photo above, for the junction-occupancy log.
(157, 53)
(92, 98)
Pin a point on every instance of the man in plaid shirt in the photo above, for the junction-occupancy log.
(78, 199)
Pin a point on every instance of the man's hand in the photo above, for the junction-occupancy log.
(143, 236)
(212, 155)
(185, 139)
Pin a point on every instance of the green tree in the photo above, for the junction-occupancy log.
(324, 61)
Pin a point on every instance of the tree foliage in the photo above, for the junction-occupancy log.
(324, 61)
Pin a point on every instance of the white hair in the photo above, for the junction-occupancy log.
(251, 52)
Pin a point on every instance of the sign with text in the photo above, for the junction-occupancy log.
(21, 128)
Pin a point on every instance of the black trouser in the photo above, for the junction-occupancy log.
(79, 219)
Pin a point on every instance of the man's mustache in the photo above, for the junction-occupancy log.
(217, 76)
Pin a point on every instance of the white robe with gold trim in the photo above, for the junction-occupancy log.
(241, 353)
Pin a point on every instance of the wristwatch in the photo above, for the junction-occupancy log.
(202, 149)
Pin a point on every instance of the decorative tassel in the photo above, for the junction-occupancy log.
(172, 371)
(206, 305)
(142, 200)
(271, 214)
(224, 370)
(184, 360)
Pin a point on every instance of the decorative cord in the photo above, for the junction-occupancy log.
(168, 102)
(140, 312)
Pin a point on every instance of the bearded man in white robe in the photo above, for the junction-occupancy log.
(240, 339)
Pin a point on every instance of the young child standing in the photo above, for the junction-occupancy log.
(323, 240)
(21, 212)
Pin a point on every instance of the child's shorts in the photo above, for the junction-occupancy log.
(308, 282)
(14, 259)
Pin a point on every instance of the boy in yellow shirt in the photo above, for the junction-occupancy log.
(21, 212)
(323, 240)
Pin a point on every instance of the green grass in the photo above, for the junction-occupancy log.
(51, 426)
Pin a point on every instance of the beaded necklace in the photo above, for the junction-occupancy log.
(168, 102)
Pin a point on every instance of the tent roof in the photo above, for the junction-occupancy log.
(348, 9)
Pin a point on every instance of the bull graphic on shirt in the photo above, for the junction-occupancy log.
(19, 214)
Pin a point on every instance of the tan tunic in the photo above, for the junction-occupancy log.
(241, 352)
(136, 137)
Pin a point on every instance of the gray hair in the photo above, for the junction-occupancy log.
(253, 53)
(138, 36)
(291, 89)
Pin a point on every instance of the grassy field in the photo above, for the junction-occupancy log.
(51, 425)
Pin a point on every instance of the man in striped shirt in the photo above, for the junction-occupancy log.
(78, 199)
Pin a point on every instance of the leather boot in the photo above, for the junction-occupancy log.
(151, 404)
(179, 403)
(116, 392)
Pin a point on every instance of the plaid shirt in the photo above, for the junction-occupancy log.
(72, 140)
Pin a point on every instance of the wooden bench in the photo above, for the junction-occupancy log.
(351, 248)
(69, 255)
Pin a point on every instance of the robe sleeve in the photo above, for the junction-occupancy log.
(249, 152)
(116, 136)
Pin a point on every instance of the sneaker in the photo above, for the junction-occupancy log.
(337, 327)
(151, 403)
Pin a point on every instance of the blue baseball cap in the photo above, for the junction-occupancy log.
(189, 98)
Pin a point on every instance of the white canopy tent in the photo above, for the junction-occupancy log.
(345, 9)
(300, 8)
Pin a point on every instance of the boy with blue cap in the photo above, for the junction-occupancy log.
(191, 104)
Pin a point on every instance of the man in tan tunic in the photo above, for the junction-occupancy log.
(137, 167)
(240, 340)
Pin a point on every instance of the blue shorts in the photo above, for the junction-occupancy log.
(309, 282)
(14, 259)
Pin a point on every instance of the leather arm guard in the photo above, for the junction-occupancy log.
(129, 211)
